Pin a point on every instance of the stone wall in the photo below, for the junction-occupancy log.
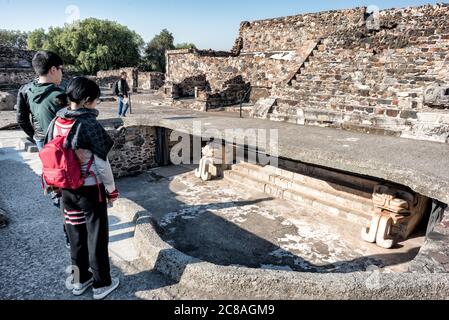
(107, 78)
(134, 150)
(151, 80)
(375, 80)
(290, 33)
(15, 58)
(136, 79)
(187, 69)
(14, 78)
(15, 68)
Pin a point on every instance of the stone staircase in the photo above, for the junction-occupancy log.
(366, 87)
(332, 193)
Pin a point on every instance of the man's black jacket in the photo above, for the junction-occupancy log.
(37, 105)
(121, 88)
(23, 111)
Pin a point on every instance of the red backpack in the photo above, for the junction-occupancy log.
(60, 166)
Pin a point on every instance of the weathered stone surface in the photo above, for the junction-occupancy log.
(134, 150)
(136, 79)
(385, 157)
(240, 282)
(262, 108)
(150, 80)
(15, 68)
(437, 96)
(7, 101)
(15, 58)
(108, 77)
(372, 69)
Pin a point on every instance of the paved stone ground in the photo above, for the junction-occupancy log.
(7, 118)
(33, 257)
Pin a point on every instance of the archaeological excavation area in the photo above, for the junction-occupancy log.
(321, 213)
(348, 202)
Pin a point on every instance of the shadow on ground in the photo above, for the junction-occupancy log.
(198, 232)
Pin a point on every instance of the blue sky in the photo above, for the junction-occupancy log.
(209, 24)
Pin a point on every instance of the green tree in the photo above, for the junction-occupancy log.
(13, 38)
(36, 39)
(154, 56)
(92, 45)
(185, 45)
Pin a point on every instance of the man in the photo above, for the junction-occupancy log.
(121, 90)
(39, 101)
(42, 98)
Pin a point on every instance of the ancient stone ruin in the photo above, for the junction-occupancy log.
(138, 81)
(323, 211)
(349, 69)
(15, 70)
(336, 202)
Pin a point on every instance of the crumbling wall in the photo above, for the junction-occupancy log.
(107, 78)
(265, 55)
(15, 68)
(349, 69)
(376, 80)
(290, 33)
(151, 80)
(187, 69)
(15, 58)
(134, 150)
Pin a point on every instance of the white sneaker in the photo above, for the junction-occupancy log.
(80, 288)
(102, 293)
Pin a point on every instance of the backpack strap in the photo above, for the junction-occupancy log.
(89, 172)
(89, 166)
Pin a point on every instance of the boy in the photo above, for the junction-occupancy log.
(41, 99)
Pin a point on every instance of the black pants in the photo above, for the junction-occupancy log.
(87, 226)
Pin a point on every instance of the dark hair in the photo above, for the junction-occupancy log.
(81, 88)
(43, 61)
(123, 73)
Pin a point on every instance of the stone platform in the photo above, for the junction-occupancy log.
(421, 165)
(228, 224)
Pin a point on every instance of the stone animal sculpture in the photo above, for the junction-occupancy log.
(395, 215)
(207, 167)
(213, 163)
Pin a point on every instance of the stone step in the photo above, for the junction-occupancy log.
(27, 146)
(371, 130)
(397, 94)
(309, 186)
(374, 120)
(303, 200)
(304, 90)
(320, 82)
(345, 99)
(331, 106)
(351, 181)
